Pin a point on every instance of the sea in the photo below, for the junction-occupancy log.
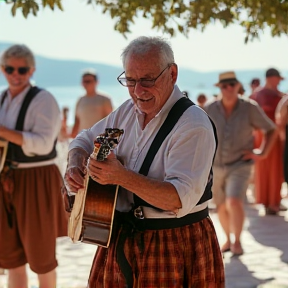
(67, 96)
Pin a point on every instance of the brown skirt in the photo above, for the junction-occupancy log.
(38, 218)
(187, 257)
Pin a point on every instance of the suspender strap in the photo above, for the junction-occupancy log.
(3, 97)
(33, 91)
(15, 152)
(29, 97)
(175, 113)
(172, 118)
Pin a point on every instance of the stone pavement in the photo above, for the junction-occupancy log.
(263, 265)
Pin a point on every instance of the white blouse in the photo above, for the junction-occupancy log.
(42, 121)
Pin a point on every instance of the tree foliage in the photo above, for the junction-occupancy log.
(172, 16)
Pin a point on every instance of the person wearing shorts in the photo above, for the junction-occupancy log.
(32, 213)
(235, 119)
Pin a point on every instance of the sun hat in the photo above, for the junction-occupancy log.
(226, 77)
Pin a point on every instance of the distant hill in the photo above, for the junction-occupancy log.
(54, 72)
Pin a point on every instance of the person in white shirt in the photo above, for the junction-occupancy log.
(32, 214)
(173, 242)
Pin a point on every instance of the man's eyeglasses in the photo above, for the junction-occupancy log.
(21, 70)
(148, 83)
(231, 84)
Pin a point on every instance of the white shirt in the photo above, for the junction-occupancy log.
(184, 158)
(42, 121)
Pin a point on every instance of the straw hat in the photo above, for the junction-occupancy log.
(227, 77)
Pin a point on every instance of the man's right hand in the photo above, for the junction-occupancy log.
(76, 170)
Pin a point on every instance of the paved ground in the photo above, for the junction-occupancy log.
(263, 265)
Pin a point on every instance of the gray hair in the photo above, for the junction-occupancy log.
(18, 51)
(143, 45)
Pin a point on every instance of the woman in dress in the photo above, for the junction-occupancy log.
(269, 171)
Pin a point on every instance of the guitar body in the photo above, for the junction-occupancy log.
(91, 218)
(98, 213)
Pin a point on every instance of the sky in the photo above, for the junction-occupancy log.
(84, 33)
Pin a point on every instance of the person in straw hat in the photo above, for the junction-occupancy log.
(235, 119)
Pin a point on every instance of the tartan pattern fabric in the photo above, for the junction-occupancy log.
(185, 257)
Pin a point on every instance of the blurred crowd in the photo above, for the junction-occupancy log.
(252, 149)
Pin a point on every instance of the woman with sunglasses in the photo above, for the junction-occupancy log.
(31, 208)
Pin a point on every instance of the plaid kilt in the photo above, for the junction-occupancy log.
(184, 257)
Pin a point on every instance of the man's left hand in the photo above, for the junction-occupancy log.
(106, 172)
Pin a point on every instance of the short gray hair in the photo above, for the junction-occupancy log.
(18, 51)
(143, 45)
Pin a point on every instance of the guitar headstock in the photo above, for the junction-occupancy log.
(106, 142)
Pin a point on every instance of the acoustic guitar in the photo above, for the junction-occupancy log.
(91, 219)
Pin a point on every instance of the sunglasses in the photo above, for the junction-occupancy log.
(231, 84)
(21, 70)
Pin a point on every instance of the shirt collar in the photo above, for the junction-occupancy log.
(220, 105)
(19, 96)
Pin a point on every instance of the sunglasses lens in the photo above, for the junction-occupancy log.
(23, 70)
(231, 84)
(9, 69)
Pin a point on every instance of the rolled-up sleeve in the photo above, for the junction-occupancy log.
(259, 119)
(42, 125)
(189, 162)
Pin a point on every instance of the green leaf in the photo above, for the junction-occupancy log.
(178, 16)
